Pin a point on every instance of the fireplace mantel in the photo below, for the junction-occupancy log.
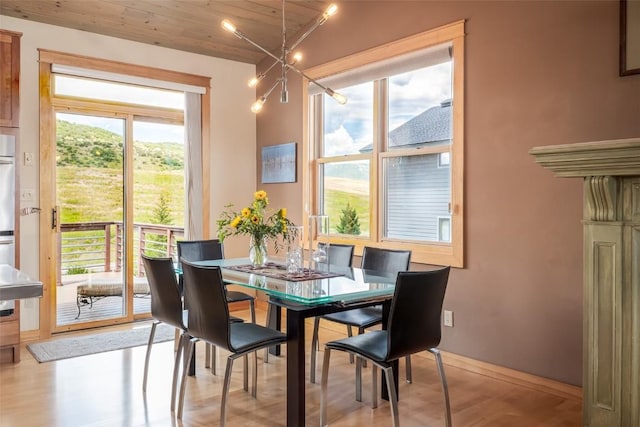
(611, 274)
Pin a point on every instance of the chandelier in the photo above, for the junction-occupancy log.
(286, 60)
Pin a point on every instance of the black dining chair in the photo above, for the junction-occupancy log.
(390, 261)
(209, 322)
(414, 325)
(201, 250)
(339, 255)
(166, 307)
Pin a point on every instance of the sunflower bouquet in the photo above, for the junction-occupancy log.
(256, 222)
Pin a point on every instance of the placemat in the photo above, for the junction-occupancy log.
(279, 271)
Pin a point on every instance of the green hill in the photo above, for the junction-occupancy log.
(90, 178)
(88, 146)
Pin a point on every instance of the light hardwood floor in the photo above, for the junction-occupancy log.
(106, 390)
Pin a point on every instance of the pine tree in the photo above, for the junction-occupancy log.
(349, 223)
(162, 211)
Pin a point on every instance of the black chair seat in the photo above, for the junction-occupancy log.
(237, 296)
(361, 318)
(373, 345)
(234, 319)
(246, 337)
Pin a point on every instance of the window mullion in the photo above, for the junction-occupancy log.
(380, 111)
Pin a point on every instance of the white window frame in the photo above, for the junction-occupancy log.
(435, 253)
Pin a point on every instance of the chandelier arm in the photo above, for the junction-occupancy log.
(315, 82)
(306, 34)
(267, 93)
(264, 73)
(248, 40)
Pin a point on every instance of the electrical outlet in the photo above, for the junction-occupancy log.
(448, 318)
(28, 159)
(27, 195)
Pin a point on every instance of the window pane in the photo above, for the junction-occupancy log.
(345, 196)
(417, 194)
(118, 92)
(420, 107)
(348, 128)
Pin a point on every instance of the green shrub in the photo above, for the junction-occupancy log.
(349, 222)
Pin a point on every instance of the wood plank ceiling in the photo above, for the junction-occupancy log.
(188, 25)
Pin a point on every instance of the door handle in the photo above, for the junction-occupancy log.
(55, 225)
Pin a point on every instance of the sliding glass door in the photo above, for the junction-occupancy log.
(119, 186)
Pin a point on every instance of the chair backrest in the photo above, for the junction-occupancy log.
(339, 254)
(166, 303)
(416, 308)
(387, 260)
(208, 311)
(200, 250)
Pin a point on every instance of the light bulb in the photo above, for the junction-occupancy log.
(227, 25)
(340, 98)
(257, 106)
(331, 10)
(297, 57)
(254, 82)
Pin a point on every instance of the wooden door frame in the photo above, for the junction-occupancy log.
(47, 238)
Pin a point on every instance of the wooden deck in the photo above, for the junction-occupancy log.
(104, 308)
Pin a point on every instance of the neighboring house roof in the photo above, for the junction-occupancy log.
(433, 125)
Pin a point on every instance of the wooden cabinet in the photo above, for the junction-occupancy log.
(10, 337)
(9, 79)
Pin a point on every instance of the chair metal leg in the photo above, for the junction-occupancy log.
(445, 387)
(176, 340)
(350, 334)
(152, 334)
(225, 391)
(214, 359)
(265, 358)
(358, 379)
(374, 386)
(207, 355)
(323, 391)
(188, 353)
(314, 350)
(393, 396)
(246, 372)
(176, 369)
(254, 375)
(407, 360)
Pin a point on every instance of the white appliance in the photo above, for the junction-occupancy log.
(7, 209)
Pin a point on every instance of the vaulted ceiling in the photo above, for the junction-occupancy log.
(188, 25)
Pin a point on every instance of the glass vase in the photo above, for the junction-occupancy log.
(258, 251)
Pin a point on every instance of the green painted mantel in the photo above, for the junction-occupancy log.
(611, 219)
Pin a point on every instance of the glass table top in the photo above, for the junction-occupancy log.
(350, 285)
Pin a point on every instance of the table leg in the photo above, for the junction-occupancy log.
(275, 322)
(295, 369)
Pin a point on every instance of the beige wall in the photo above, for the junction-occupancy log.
(233, 133)
(537, 73)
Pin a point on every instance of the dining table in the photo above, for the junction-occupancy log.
(304, 294)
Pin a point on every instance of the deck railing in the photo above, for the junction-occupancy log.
(99, 246)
